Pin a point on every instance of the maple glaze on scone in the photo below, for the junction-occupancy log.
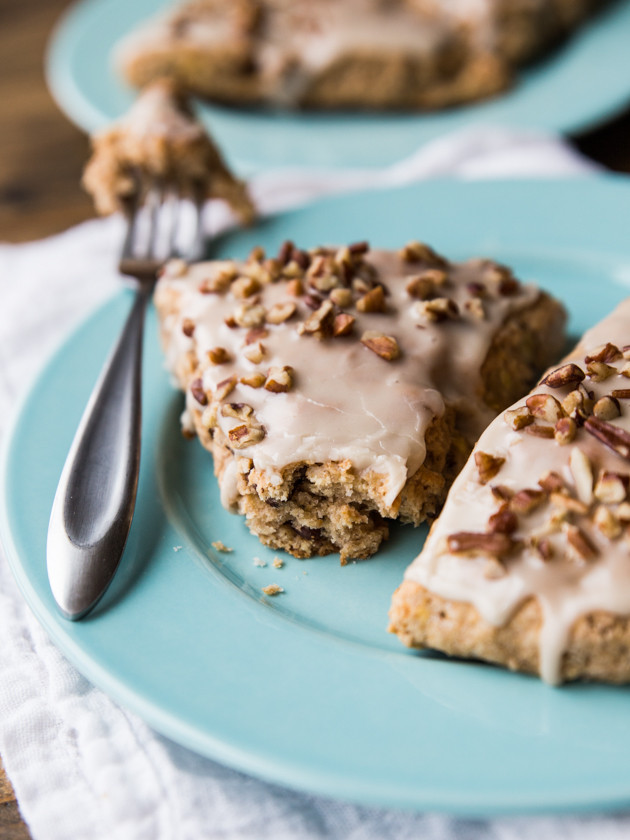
(356, 53)
(338, 387)
(528, 564)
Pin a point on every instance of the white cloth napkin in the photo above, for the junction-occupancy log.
(82, 767)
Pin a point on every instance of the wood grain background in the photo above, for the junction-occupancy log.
(41, 158)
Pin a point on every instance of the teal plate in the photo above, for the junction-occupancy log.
(307, 688)
(584, 82)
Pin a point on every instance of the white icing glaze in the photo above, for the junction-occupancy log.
(565, 588)
(155, 112)
(347, 402)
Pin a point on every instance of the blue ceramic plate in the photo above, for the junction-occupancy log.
(584, 82)
(307, 688)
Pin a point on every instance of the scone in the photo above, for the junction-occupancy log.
(339, 388)
(160, 143)
(528, 565)
(411, 54)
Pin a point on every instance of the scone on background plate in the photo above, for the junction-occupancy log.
(411, 54)
(159, 142)
(339, 388)
(528, 565)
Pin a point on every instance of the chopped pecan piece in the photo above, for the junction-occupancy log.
(599, 371)
(606, 353)
(218, 282)
(477, 290)
(294, 287)
(527, 500)
(487, 465)
(544, 548)
(209, 416)
(372, 301)
(565, 430)
(383, 345)
(284, 254)
(341, 297)
(225, 387)
(607, 408)
(518, 418)
(250, 315)
(566, 375)
(541, 431)
(611, 488)
(551, 481)
(218, 356)
(438, 309)
(255, 353)
(501, 492)
(357, 249)
(281, 312)
(245, 435)
(582, 473)
(415, 251)
(623, 512)
(244, 287)
(545, 407)
(198, 392)
(467, 542)
(279, 379)
(320, 323)
(621, 394)
(504, 521)
(424, 286)
(343, 324)
(624, 370)
(606, 521)
(475, 308)
(611, 436)
(188, 327)
(241, 411)
(578, 540)
(254, 380)
(565, 502)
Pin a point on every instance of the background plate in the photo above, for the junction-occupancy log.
(581, 84)
(308, 689)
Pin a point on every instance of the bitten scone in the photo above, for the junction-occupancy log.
(338, 388)
(159, 142)
(528, 565)
(412, 54)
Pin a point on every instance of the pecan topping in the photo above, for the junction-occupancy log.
(284, 254)
(384, 346)
(281, 312)
(255, 353)
(415, 251)
(623, 512)
(294, 287)
(611, 488)
(218, 356)
(279, 379)
(567, 503)
(541, 431)
(250, 315)
(566, 375)
(611, 436)
(475, 308)
(254, 380)
(582, 473)
(467, 542)
(544, 548)
(241, 411)
(197, 390)
(606, 521)
(501, 492)
(372, 301)
(621, 394)
(320, 323)
(343, 324)
(245, 435)
(607, 408)
(424, 286)
(438, 309)
(624, 370)
(518, 418)
(357, 249)
(244, 287)
(578, 540)
(527, 500)
(477, 290)
(565, 430)
(504, 521)
(487, 466)
(551, 481)
(605, 353)
(578, 404)
(218, 282)
(188, 327)
(599, 371)
(545, 407)
(341, 297)
(224, 388)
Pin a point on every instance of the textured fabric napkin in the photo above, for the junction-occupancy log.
(82, 767)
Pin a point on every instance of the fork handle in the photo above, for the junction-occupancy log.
(93, 507)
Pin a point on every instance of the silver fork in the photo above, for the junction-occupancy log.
(94, 503)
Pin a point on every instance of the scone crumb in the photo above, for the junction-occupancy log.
(272, 589)
(260, 563)
(277, 563)
(219, 546)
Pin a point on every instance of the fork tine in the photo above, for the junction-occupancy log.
(131, 215)
(197, 247)
(155, 200)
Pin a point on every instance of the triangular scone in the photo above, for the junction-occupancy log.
(528, 564)
(414, 54)
(340, 387)
(159, 142)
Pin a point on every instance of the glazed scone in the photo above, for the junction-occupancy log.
(411, 54)
(159, 142)
(340, 388)
(528, 565)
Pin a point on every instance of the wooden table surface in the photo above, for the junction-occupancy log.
(41, 157)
